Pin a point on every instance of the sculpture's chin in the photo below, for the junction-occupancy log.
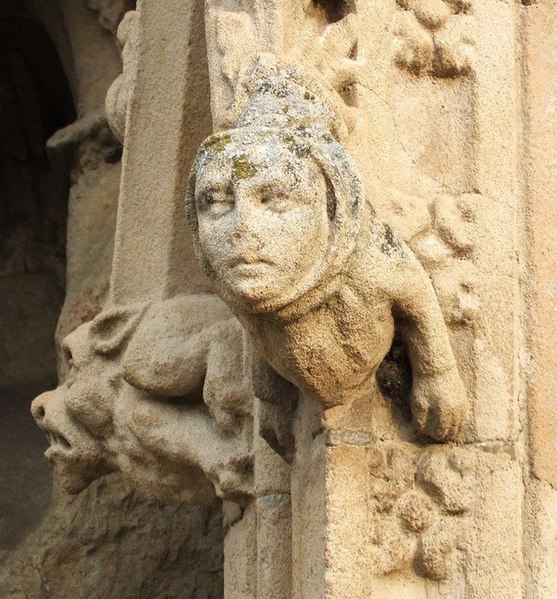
(73, 482)
(73, 474)
(252, 292)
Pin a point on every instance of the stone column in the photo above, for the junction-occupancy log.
(168, 116)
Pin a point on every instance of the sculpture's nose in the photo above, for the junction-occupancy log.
(39, 406)
(247, 220)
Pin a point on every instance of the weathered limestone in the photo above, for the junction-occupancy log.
(538, 283)
(93, 544)
(321, 300)
(372, 396)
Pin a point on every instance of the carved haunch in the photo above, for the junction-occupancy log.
(282, 226)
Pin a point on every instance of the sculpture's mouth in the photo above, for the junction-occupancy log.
(249, 259)
(248, 268)
(77, 464)
(59, 444)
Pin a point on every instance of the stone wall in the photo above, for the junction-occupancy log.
(107, 541)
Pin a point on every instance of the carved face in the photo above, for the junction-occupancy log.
(77, 413)
(110, 413)
(262, 217)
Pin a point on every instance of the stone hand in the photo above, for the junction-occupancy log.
(439, 404)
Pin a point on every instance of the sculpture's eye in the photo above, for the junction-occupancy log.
(276, 201)
(216, 203)
(72, 372)
(68, 355)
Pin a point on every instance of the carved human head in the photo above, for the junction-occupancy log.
(274, 204)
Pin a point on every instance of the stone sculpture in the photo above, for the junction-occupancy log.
(452, 146)
(156, 391)
(282, 226)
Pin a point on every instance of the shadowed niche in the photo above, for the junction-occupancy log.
(335, 10)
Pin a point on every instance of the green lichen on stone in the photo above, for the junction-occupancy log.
(244, 168)
(217, 143)
(301, 150)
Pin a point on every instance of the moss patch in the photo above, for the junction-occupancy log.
(244, 168)
(217, 143)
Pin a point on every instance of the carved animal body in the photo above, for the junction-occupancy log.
(332, 350)
(326, 323)
(155, 391)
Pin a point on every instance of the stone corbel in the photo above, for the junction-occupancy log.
(282, 226)
(158, 391)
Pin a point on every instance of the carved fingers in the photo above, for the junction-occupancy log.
(439, 405)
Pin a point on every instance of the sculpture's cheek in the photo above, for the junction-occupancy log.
(91, 403)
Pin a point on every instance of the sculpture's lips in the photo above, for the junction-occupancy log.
(59, 444)
(248, 258)
(249, 265)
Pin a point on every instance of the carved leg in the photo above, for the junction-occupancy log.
(439, 402)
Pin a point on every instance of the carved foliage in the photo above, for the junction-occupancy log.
(421, 503)
(447, 251)
(443, 235)
(432, 37)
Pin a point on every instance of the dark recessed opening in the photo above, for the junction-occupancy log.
(35, 101)
(335, 10)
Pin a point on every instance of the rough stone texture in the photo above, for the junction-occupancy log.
(91, 225)
(322, 300)
(110, 543)
(119, 94)
(380, 181)
(106, 541)
(538, 287)
(167, 119)
(150, 392)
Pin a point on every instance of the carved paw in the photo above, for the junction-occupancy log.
(440, 405)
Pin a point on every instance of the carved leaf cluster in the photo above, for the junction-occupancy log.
(432, 38)
(443, 238)
(421, 502)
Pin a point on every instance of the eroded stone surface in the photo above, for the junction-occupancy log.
(282, 226)
(422, 95)
(110, 542)
(145, 395)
